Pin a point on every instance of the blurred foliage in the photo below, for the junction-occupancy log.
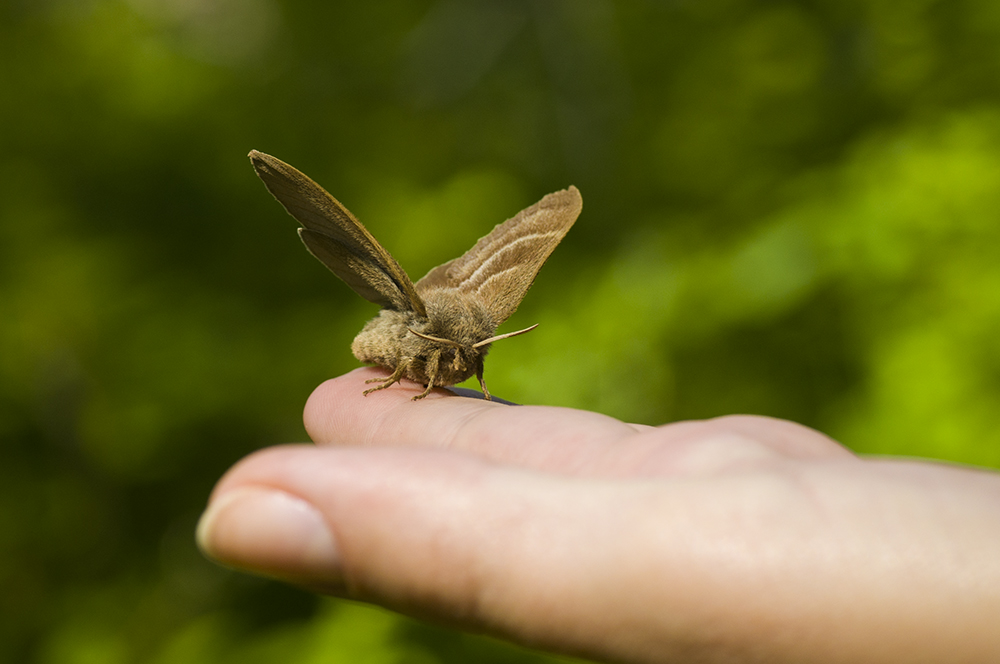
(791, 208)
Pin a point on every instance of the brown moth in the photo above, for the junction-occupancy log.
(437, 331)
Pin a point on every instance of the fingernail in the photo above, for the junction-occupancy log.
(269, 532)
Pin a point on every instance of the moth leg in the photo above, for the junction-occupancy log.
(482, 381)
(388, 380)
(431, 369)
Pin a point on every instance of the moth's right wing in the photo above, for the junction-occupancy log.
(502, 266)
(332, 234)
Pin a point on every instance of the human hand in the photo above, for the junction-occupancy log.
(738, 539)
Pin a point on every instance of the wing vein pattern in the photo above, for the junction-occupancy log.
(502, 266)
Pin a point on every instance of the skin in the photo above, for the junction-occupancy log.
(737, 539)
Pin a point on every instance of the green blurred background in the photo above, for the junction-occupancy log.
(791, 208)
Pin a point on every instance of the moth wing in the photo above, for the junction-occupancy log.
(359, 272)
(332, 234)
(501, 267)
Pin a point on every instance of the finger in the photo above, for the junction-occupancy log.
(535, 436)
(551, 439)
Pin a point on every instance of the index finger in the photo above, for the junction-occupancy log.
(338, 414)
(548, 438)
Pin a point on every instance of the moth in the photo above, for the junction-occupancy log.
(438, 331)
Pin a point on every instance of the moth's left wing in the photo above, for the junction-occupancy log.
(502, 265)
(336, 238)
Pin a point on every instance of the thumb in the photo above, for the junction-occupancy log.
(534, 558)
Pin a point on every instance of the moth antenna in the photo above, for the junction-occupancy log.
(447, 342)
(502, 336)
